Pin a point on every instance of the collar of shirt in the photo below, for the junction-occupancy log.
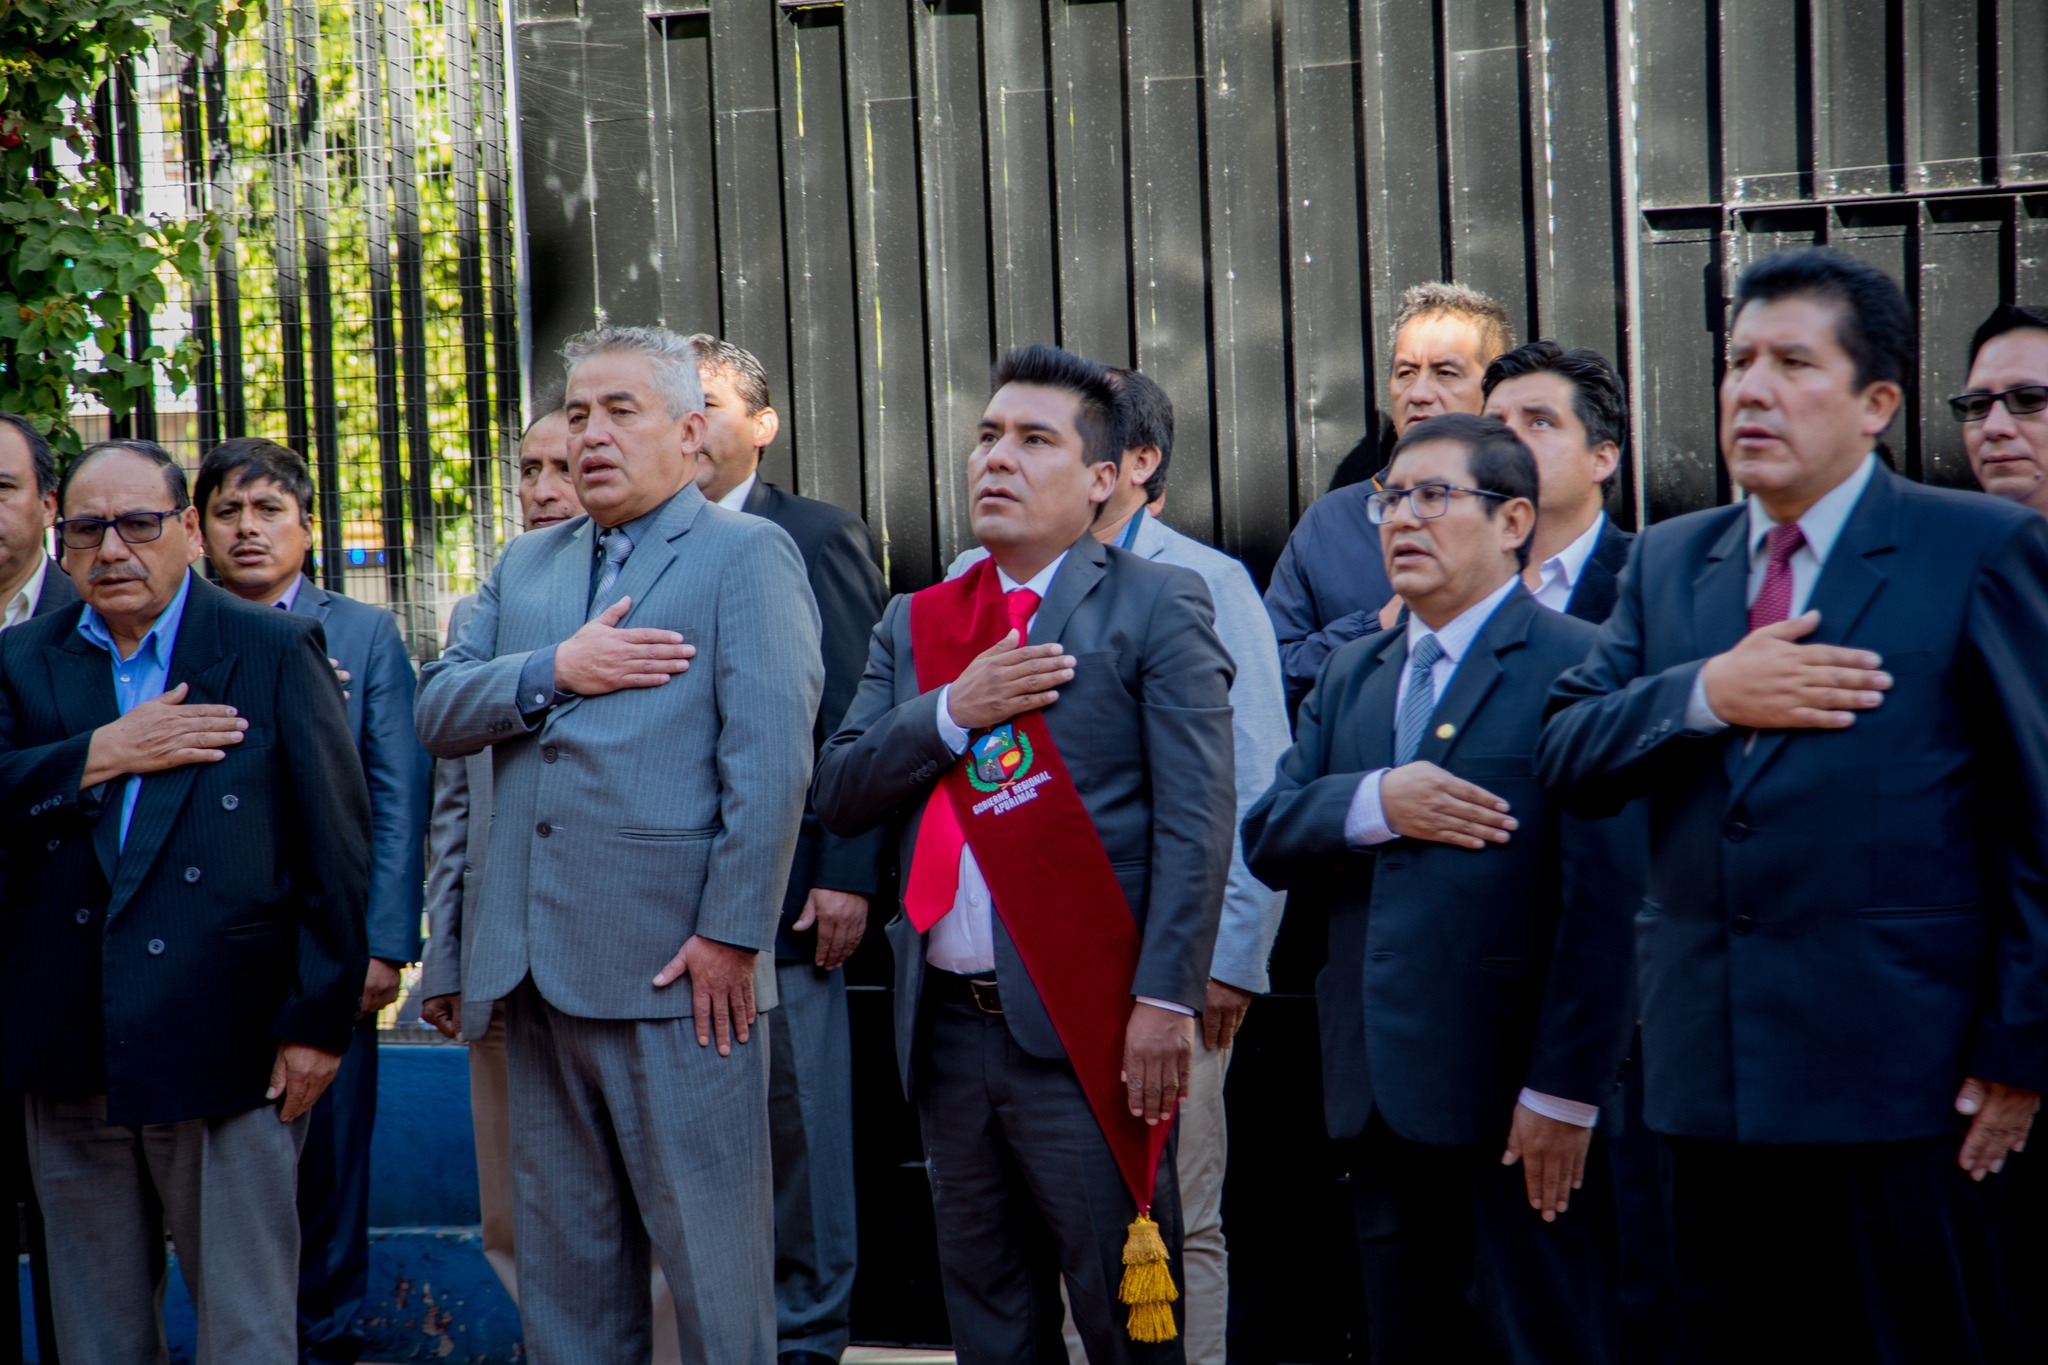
(1461, 630)
(1040, 582)
(636, 530)
(161, 640)
(23, 604)
(1822, 525)
(735, 498)
(291, 594)
(1567, 564)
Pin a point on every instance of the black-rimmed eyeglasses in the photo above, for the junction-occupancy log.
(2024, 401)
(89, 533)
(1428, 499)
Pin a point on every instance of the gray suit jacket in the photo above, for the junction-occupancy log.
(455, 866)
(1144, 729)
(1258, 731)
(626, 823)
(380, 692)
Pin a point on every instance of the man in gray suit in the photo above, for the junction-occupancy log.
(646, 677)
(1251, 912)
(1121, 656)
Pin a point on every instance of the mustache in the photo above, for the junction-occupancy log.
(112, 573)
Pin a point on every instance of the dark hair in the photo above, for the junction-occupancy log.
(749, 376)
(174, 473)
(1876, 322)
(551, 400)
(234, 463)
(1500, 463)
(39, 453)
(2007, 317)
(1101, 432)
(1146, 415)
(1598, 398)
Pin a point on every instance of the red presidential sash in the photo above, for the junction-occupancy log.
(1046, 869)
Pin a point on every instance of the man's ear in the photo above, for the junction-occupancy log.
(767, 426)
(1140, 464)
(1606, 459)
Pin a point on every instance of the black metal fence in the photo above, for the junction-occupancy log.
(362, 307)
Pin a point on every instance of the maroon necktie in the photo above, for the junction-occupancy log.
(1774, 600)
(935, 862)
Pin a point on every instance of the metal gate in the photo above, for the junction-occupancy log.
(362, 306)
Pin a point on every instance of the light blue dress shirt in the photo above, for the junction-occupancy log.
(143, 675)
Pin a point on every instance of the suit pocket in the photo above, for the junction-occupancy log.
(1496, 766)
(258, 929)
(1508, 964)
(653, 834)
(1909, 661)
(1918, 912)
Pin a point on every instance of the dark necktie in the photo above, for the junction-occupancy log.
(616, 545)
(1774, 600)
(1420, 701)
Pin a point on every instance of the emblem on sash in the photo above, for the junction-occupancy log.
(999, 757)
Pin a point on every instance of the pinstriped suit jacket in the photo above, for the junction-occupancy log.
(625, 823)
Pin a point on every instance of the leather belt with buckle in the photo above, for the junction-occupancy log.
(982, 992)
(988, 998)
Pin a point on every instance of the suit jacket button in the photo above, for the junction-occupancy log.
(547, 753)
(82, 916)
(1741, 924)
(543, 829)
(54, 845)
(230, 801)
(1735, 831)
(156, 947)
(191, 874)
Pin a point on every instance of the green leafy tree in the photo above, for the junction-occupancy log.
(71, 262)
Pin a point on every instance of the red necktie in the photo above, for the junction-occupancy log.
(1774, 600)
(935, 862)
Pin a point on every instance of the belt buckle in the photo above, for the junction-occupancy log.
(988, 997)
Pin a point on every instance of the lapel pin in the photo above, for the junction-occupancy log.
(1446, 730)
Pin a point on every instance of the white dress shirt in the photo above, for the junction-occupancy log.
(964, 940)
(1822, 526)
(1558, 575)
(22, 605)
(1365, 823)
(735, 499)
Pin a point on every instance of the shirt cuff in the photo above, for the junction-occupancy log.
(1564, 1111)
(1173, 1005)
(1365, 823)
(1699, 717)
(950, 735)
(537, 694)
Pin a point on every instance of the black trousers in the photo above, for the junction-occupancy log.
(1649, 1281)
(334, 1207)
(1877, 1253)
(18, 1192)
(1026, 1193)
(1458, 1267)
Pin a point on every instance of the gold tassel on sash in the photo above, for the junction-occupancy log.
(1148, 1283)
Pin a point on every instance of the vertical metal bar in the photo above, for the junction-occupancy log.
(284, 198)
(469, 272)
(1017, 105)
(1486, 118)
(310, 138)
(500, 210)
(1093, 229)
(220, 181)
(371, 170)
(409, 250)
(106, 151)
(1402, 222)
(128, 150)
(192, 142)
(686, 173)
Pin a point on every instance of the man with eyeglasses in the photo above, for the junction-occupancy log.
(187, 844)
(1479, 989)
(2005, 413)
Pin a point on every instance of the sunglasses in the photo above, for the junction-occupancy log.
(2024, 401)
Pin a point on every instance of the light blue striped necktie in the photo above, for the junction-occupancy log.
(1420, 701)
(616, 546)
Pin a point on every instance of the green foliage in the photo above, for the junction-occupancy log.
(71, 262)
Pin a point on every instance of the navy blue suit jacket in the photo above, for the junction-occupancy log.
(1455, 977)
(164, 972)
(380, 691)
(1840, 924)
(58, 591)
(1329, 586)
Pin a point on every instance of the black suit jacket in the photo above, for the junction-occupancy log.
(1599, 586)
(839, 561)
(1840, 925)
(1144, 730)
(165, 973)
(1454, 977)
(58, 592)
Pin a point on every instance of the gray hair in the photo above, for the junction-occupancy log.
(1438, 299)
(748, 376)
(669, 356)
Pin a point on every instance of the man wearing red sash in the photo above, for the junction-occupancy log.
(1051, 734)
